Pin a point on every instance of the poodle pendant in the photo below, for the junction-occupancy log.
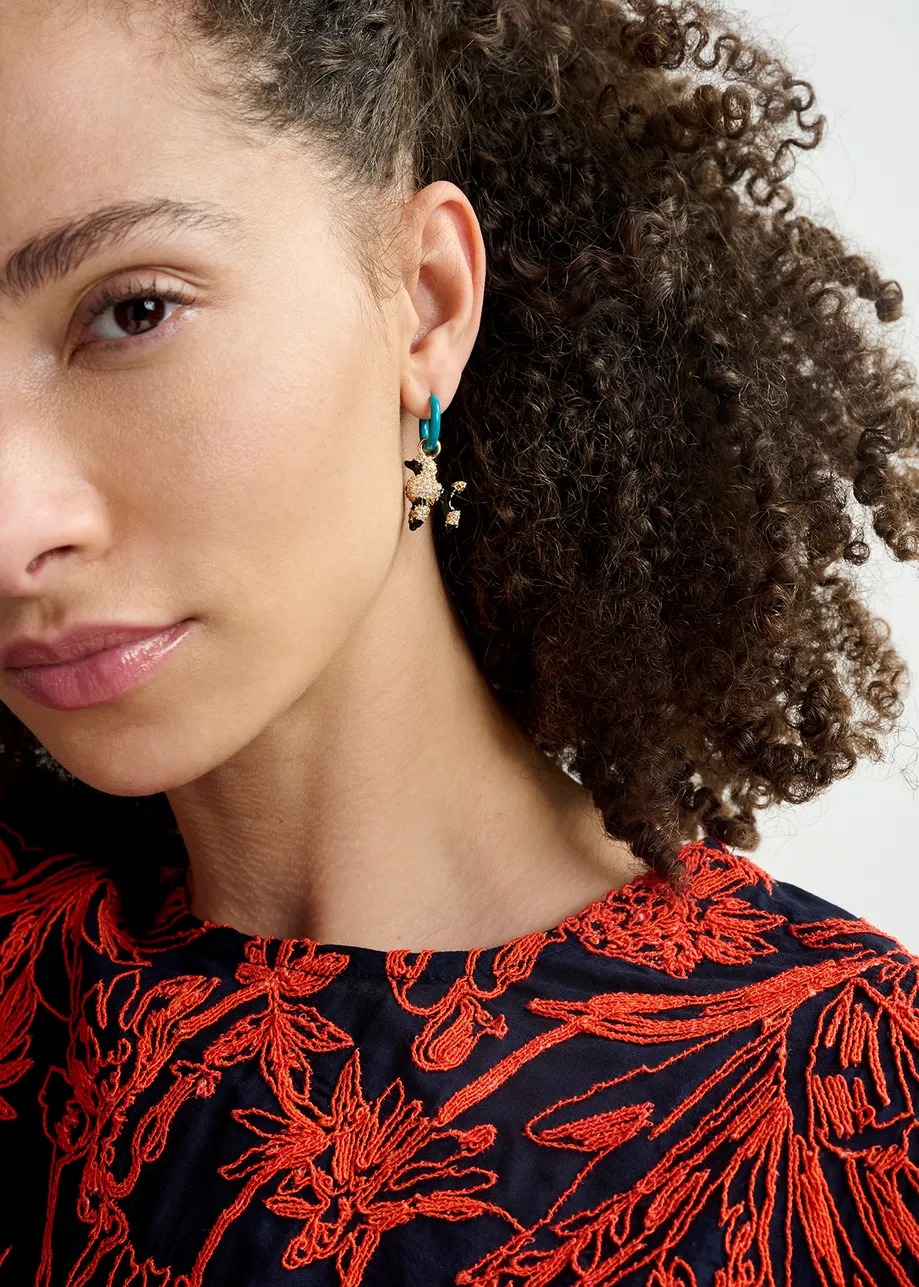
(424, 490)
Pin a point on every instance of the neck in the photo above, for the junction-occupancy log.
(396, 804)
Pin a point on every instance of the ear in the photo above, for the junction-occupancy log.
(443, 289)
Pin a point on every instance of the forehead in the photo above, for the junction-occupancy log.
(100, 105)
(74, 70)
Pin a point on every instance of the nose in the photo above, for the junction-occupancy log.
(37, 562)
(40, 526)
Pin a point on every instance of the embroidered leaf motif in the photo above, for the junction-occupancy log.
(600, 1133)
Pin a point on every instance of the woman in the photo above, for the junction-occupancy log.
(381, 920)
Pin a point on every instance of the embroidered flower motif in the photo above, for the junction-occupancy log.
(647, 924)
(297, 971)
(284, 1032)
(458, 1020)
(351, 1174)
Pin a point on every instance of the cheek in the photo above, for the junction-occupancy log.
(277, 529)
(283, 513)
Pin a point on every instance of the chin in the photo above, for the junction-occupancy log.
(112, 782)
(122, 771)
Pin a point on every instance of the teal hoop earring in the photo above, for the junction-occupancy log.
(430, 429)
(423, 489)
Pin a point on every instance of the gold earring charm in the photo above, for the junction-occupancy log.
(424, 489)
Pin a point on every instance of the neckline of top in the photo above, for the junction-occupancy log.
(645, 895)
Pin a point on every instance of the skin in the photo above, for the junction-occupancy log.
(337, 765)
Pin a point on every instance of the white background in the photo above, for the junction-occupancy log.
(856, 845)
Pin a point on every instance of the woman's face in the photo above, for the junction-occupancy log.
(235, 459)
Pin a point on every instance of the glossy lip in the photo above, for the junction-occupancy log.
(100, 676)
(80, 642)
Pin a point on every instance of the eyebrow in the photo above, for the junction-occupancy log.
(53, 255)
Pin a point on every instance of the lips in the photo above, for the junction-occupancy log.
(78, 643)
(95, 677)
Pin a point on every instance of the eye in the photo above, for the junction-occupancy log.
(131, 310)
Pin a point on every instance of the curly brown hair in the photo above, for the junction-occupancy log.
(673, 399)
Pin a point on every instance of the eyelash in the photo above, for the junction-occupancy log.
(131, 291)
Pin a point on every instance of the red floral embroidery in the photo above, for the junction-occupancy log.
(286, 1032)
(458, 1020)
(384, 1163)
(653, 926)
(749, 1120)
(628, 1120)
(30, 905)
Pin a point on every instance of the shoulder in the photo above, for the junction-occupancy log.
(803, 928)
(831, 1004)
(845, 971)
(56, 900)
(766, 973)
(847, 998)
(800, 947)
(771, 1038)
(734, 925)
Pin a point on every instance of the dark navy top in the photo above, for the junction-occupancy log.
(716, 1089)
